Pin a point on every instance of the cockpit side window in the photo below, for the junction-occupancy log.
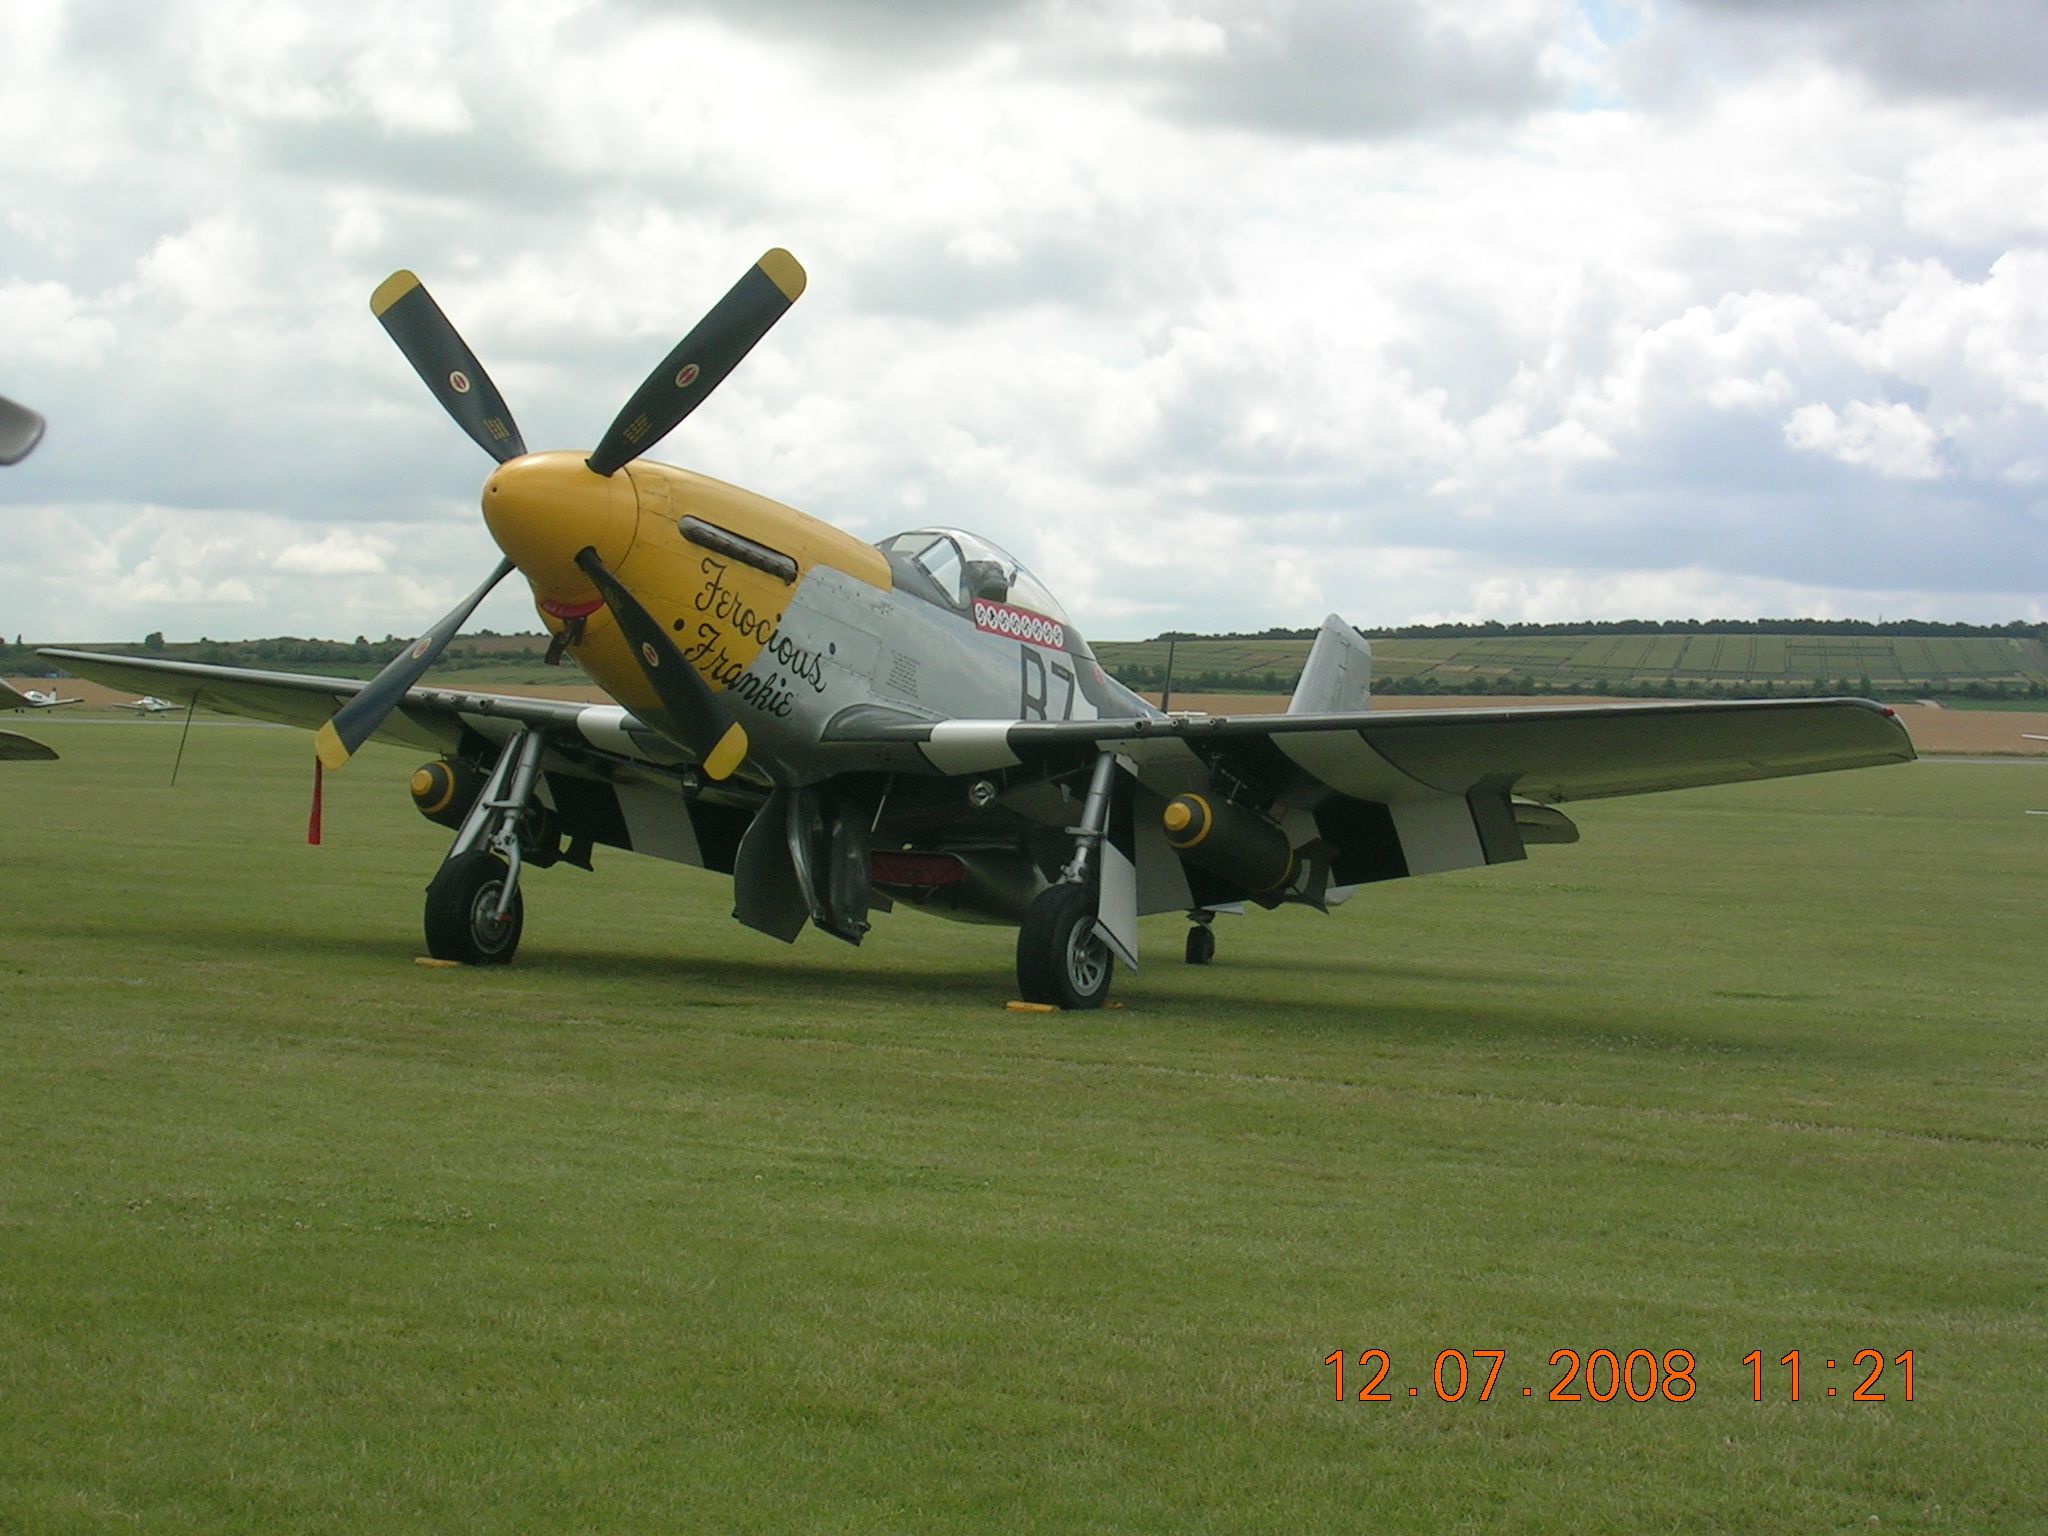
(940, 560)
(928, 564)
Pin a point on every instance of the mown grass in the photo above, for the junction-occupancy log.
(667, 1226)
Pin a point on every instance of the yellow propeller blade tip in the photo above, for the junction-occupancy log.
(391, 290)
(785, 272)
(730, 752)
(327, 746)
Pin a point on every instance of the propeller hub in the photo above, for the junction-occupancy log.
(543, 508)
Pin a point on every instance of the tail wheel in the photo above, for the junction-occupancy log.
(462, 919)
(1059, 958)
(1201, 944)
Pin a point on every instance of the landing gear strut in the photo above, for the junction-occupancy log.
(475, 913)
(1061, 958)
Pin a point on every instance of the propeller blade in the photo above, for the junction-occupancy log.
(707, 726)
(357, 720)
(20, 430)
(442, 358)
(701, 359)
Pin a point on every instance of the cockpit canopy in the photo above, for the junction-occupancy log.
(947, 565)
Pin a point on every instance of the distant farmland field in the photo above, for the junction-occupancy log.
(1891, 664)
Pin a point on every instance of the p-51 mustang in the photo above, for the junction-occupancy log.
(842, 726)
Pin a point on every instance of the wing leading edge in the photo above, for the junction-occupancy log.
(432, 718)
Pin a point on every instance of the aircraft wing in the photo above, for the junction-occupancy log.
(607, 775)
(15, 748)
(432, 718)
(1542, 753)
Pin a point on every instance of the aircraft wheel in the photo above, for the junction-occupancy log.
(1059, 958)
(1201, 944)
(462, 911)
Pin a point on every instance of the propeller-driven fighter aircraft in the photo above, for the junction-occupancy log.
(842, 726)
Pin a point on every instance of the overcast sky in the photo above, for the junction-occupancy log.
(1219, 313)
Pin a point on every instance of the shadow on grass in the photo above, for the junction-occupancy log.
(1257, 993)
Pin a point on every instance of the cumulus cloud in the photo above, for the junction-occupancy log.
(1988, 50)
(338, 552)
(1894, 440)
(1220, 314)
(1341, 68)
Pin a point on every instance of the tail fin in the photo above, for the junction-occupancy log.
(1338, 677)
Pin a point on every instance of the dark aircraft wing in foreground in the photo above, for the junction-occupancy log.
(1541, 754)
(22, 749)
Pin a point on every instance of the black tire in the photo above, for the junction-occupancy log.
(1201, 944)
(462, 904)
(1059, 958)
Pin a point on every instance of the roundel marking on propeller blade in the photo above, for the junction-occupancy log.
(648, 654)
(688, 376)
(459, 382)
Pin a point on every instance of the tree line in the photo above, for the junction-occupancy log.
(2015, 629)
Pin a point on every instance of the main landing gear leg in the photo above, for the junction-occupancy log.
(474, 910)
(1060, 958)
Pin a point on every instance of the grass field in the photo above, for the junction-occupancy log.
(1892, 664)
(669, 1227)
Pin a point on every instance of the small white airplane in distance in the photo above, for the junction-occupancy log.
(10, 699)
(16, 748)
(148, 704)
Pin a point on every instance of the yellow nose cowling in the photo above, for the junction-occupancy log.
(545, 508)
